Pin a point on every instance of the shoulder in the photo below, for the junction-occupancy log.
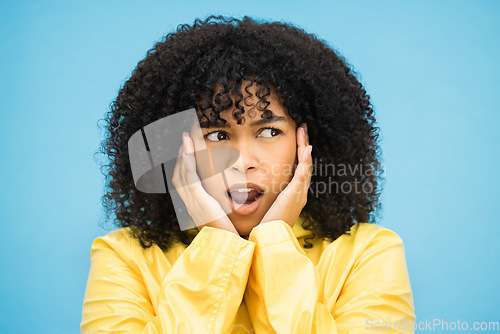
(369, 254)
(373, 246)
(121, 245)
(116, 238)
(368, 239)
(365, 240)
(118, 243)
(365, 235)
(367, 269)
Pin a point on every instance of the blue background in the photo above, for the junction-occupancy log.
(430, 67)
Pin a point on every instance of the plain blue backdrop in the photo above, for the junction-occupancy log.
(430, 67)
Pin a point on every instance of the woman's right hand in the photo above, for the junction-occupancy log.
(202, 207)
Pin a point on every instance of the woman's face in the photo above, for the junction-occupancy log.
(265, 165)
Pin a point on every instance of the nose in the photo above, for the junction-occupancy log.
(247, 160)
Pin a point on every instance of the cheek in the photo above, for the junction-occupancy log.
(283, 158)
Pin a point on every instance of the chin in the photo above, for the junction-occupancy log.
(243, 226)
(245, 230)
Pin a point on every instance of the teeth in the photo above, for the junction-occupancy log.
(244, 190)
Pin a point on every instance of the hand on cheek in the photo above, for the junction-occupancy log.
(202, 207)
(293, 198)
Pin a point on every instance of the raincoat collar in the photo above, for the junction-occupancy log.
(298, 229)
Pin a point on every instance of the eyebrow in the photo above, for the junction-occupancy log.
(208, 125)
(273, 119)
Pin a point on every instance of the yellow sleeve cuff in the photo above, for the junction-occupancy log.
(272, 233)
(224, 242)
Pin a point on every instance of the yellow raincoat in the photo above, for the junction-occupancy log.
(222, 283)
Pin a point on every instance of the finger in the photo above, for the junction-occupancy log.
(189, 160)
(176, 175)
(301, 135)
(308, 162)
(183, 163)
(306, 134)
(305, 163)
(189, 143)
(302, 176)
(183, 168)
(304, 170)
(190, 174)
(307, 155)
(300, 142)
(304, 138)
(304, 152)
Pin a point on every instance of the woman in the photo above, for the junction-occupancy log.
(285, 243)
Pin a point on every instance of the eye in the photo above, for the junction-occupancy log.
(216, 136)
(270, 132)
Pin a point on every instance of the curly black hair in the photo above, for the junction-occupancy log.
(315, 83)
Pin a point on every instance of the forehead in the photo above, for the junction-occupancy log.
(252, 103)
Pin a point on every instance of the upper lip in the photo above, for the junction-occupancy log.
(248, 185)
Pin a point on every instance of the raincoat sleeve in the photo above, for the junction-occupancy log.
(200, 293)
(287, 294)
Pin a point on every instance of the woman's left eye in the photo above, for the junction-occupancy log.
(270, 132)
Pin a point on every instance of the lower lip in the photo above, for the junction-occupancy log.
(245, 209)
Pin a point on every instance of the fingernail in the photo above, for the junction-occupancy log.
(304, 132)
(305, 127)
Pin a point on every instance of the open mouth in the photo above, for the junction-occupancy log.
(245, 198)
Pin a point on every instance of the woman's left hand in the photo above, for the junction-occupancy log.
(293, 198)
